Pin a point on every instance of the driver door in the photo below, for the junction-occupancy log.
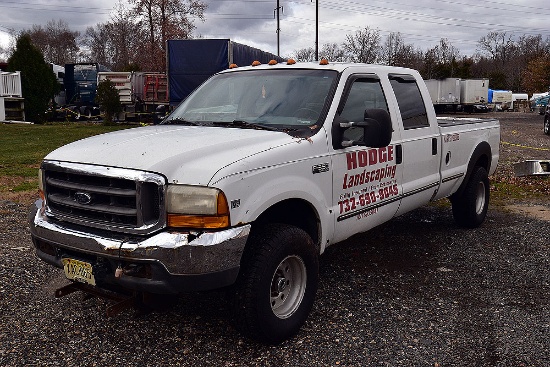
(366, 181)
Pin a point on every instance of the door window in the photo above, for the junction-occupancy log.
(409, 99)
(365, 93)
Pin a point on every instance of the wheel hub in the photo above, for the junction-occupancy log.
(288, 286)
(281, 285)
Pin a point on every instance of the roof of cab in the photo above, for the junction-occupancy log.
(337, 66)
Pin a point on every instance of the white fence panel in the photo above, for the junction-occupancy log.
(10, 84)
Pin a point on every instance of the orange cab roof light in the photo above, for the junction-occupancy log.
(291, 62)
(256, 63)
(323, 62)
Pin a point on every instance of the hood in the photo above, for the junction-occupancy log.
(184, 154)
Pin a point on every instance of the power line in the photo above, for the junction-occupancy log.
(86, 9)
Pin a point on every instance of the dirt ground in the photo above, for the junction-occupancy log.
(416, 291)
(522, 138)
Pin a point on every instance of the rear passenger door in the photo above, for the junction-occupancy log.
(419, 148)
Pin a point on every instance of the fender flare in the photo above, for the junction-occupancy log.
(481, 157)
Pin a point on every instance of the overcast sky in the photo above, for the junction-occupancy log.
(421, 22)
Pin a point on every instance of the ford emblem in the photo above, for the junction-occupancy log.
(83, 198)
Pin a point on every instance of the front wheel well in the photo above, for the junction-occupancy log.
(296, 212)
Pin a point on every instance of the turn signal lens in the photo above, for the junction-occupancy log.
(195, 221)
(196, 207)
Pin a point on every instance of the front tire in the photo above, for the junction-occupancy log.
(470, 208)
(276, 288)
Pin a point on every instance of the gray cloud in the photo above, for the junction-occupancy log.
(422, 22)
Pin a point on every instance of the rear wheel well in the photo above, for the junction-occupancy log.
(296, 212)
(481, 157)
(483, 161)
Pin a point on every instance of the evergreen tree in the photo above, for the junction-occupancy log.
(108, 99)
(38, 81)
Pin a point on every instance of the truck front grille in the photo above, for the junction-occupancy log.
(116, 199)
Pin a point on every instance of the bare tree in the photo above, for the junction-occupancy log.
(163, 20)
(329, 51)
(363, 46)
(393, 45)
(96, 41)
(445, 52)
(56, 41)
(333, 52)
(497, 45)
(396, 52)
(532, 47)
(116, 43)
(304, 54)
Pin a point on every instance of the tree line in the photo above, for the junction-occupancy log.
(520, 64)
(134, 38)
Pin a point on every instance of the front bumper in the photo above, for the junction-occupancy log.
(165, 262)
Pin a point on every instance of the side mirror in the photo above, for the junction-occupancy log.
(376, 125)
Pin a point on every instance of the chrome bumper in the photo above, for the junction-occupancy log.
(173, 261)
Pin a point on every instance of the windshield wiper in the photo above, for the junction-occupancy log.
(245, 125)
(180, 121)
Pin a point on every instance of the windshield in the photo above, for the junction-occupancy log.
(281, 99)
(85, 73)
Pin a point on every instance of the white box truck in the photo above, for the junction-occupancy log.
(474, 94)
(444, 93)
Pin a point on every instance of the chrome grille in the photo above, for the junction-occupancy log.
(104, 197)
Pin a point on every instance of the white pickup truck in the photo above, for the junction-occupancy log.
(250, 179)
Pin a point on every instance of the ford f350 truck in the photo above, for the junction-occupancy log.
(250, 179)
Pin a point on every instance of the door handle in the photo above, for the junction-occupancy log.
(434, 146)
(398, 154)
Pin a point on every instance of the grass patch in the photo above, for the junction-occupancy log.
(506, 191)
(22, 148)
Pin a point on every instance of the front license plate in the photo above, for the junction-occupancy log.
(78, 271)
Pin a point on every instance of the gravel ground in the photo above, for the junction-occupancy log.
(416, 291)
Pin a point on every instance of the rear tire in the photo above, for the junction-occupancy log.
(277, 284)
(470, 208)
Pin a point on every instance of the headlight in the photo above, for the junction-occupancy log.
(196, 207)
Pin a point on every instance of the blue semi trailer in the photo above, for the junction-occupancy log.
(191, 62)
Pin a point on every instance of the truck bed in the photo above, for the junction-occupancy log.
(455, 121)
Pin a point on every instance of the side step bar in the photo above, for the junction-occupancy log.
(532, 168)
